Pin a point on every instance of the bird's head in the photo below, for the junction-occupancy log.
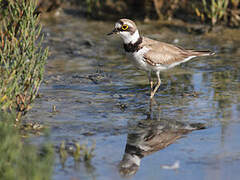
(127, 30)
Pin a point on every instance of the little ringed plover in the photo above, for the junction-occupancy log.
(151, 55)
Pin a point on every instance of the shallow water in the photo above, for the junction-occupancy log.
(99, 96)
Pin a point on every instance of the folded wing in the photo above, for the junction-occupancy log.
(167, 54)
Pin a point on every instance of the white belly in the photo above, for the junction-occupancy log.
(139, 61)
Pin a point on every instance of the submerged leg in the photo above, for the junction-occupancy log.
(157, 85)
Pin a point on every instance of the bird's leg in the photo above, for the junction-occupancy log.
(150, 82)
(157, 85)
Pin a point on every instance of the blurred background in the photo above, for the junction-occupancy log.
(196, 11)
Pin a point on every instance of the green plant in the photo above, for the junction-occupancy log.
(79, 152)
(88, 152)
(215, 11)
(22, 58)
(19, 159)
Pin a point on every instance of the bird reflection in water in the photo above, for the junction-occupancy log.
(151, 135)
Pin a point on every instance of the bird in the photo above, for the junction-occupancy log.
(151, 55)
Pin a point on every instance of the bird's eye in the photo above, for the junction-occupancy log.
(124, 27)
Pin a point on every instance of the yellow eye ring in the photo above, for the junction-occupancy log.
(124, 27)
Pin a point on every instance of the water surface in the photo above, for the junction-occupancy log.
(100, 96)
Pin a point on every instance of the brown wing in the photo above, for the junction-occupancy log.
(163, 53)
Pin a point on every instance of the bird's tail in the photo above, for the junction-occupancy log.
(202, 53)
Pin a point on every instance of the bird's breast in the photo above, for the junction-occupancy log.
(138, 58)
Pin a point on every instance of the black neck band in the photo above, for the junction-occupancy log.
(133, 47)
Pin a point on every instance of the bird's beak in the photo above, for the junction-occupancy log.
(114, 31)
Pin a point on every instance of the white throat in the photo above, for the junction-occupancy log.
(128, 37)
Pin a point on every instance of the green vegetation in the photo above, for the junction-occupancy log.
(79, 152)
(216, 11)
(20, 160)
(22, 58)
(22, 62)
